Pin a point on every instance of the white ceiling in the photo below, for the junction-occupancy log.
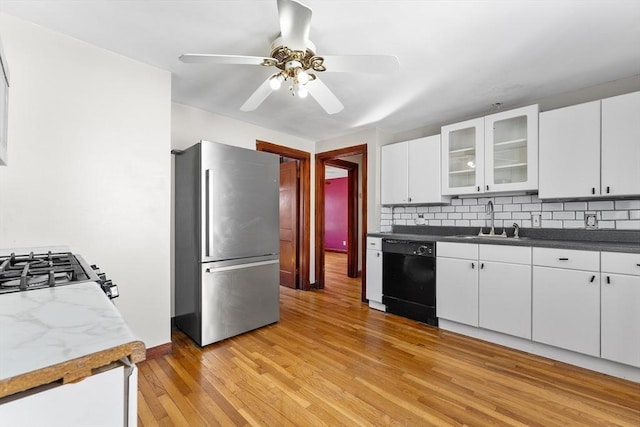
(457, 57)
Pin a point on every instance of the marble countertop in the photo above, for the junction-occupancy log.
(60, 333)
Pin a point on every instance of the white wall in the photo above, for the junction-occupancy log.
(190, 125)
(89, 164)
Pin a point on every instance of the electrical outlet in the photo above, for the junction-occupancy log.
(591, 221)
(420, 220)
(535, 220)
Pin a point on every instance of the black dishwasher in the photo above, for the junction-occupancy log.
(409, 279)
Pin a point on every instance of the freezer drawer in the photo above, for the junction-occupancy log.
(239, 298)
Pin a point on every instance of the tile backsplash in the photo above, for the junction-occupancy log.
(470, 212)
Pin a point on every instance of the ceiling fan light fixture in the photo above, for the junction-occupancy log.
(275, 81)
(302, 76)
(300, 90)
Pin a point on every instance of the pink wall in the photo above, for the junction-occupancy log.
(336, 192)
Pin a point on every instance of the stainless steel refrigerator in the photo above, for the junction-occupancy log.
(226, 241)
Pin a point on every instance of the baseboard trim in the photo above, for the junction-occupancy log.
(159, 351)
(340, 251)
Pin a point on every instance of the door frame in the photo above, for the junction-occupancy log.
(352, 212)
(304, 196)
(321, 161)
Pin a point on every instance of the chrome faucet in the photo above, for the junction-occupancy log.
(490, 210)
(516, 230)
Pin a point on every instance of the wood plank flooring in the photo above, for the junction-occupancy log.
(332, 361)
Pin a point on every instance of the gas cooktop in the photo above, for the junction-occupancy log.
(23, 272)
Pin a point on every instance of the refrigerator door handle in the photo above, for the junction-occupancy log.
(238, 266)
(209, 211)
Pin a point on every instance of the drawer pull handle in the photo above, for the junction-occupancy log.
(608, 279)
(637, 265)
(593, 190)
(592, 279)
(482, 266)
(563, 259)
(473, 265)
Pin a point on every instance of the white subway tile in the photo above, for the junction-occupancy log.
(448, 222)
(573, 224)
(422, 209)
(503, 215)
(441, 216)
(628, 225)
(399, 209)
(521, 215)
(503, 200)
(435, 209)
(410, 209)
(400, 222)
(406, 216)
(385, 222)
(551, 224)
(564, 215)
(456, 215)
(485, 200)
(477, 223)
(526, 223)
(546, 215)
(634, 214)
(552, 207)
(470, 201)
(615, 215)
(535, 199)
(497, 208)
(462, 208)
(456, 202)
(575, 206)
(580, 216)
(462, 223)
(627, 204)
(532, 207)
(471, 215)
(522, 199)
(601, 206)
(429, 216)
(498, 223)
(607, 224)
(478, 208)
(512, 208)
(385, 229)
(385, 209)
(435, 222)
(448, 209)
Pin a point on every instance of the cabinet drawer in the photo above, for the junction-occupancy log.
(457, 250)
(374, 243)
(508, 254)
(621, 263)
(567, 258)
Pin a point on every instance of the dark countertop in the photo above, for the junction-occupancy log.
(586, 240)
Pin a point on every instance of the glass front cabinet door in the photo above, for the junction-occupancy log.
(494, 153)
(463, 157)
(511, 150)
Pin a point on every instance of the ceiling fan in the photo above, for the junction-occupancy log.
(293, 54)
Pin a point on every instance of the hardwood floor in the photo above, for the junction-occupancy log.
(333, 361)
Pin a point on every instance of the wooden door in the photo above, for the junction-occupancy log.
(288, 224)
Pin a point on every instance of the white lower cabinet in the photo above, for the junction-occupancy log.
(566, 302)
(457, 282)
(504, 291)
(620, 314)
(374, 272)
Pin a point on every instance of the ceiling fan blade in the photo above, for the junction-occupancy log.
(295, 23)
(370, 64)
(324, 96)
(257, 97)
(223, 59)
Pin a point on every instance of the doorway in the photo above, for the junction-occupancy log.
(323, 159)
(351, 207)
(299, 221)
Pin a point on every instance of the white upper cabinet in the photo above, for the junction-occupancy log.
(621, 145)
(463, 157)
(511, 150)
(495, 153)
(591, 149)
(395, 174)
(411, 172)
